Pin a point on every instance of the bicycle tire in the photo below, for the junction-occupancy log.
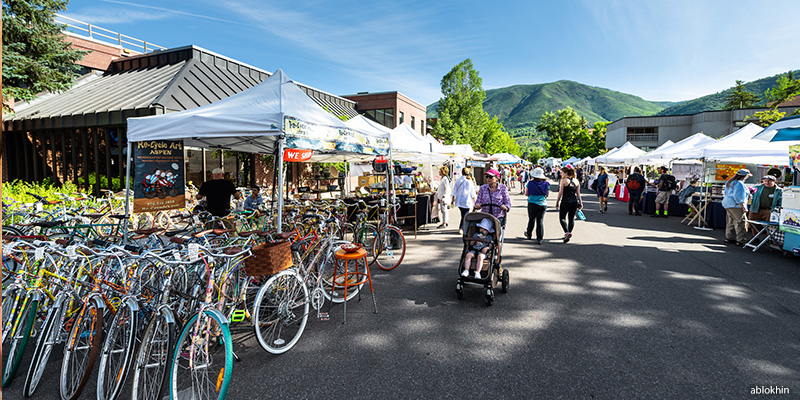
(117, 353)
(336, 293)
(81, 350)
(11, 300)
(367, 235)
(215, 376)
(50, 334)
(280, 312)
(18, 339)
(152, 361)
(387, 258)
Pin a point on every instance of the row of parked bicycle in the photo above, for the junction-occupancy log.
(155, 307)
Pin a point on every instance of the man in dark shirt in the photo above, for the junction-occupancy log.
(218, 192)
(635, 185)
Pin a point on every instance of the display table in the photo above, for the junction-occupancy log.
(714, 213)
(415, 213)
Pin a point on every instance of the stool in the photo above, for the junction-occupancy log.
(768, 230)
(358, 277)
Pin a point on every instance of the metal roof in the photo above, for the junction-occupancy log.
(153, 83)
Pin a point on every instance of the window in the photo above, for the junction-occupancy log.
(412, 123)
(645, 134)
(384, 117)
(401, 118)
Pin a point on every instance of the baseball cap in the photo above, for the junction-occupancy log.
(770, 177)
(743, 172)
(217, 171)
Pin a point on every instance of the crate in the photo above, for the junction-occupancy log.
(269, 259)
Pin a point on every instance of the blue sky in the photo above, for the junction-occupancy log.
(658, 50)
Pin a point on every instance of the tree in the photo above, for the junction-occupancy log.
(564, 129)
(740, 98)
(462, 118)
(767, 117)
(36, 58)
(786, 88)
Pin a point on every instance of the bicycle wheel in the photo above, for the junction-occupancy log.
(81, 350)
(327, 268)
(163, 220)
(14, 347)
(115, 359)
(203, 359)
(389, 248)
(12, 300)
(51, 333)
(366, 236)
(152, 361)
(349, 232)
(280, 312)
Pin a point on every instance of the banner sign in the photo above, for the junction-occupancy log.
(158, 182)
(305, 135)
(790, 221)
(297, 155)
(725, 171)
(381, 159)
(473, 163)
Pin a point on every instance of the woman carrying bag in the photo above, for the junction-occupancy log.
(464, 195)
(537, 190)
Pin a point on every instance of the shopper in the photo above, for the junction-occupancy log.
(464, 194)
(443, 196)
(602, 188)
(218, 192)
(493, 197)
(767, 196)
(735, 204)
(666, 184)
(537, 190)
(569, 199)
(635, 185)
(252, 202)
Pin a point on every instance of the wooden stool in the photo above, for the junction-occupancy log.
(352, 278)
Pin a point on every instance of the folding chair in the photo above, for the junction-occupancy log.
(697, 213)
(767, 229)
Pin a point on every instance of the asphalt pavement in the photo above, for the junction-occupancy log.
(631, 308)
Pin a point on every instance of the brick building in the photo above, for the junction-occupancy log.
(391, 109)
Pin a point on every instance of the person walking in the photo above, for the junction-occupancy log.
(602, 189)
(464, 195)
(494, 196)
(569, 199)
(665, 188)
(443, 196)
(537, 190)
(635, 184)
(735, 204)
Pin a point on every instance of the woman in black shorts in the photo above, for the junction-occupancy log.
(569, 199)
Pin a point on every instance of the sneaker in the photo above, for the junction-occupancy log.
(638, 214)
(528, 235)
(567, 237)
(605, 208)
(664, 216)
(460, 231)
(465, 273)
(730, 241)
(655, 216)
(477, 274)
(539, 241)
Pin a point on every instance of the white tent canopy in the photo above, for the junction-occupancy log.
(460, 150)
(570, 160)
(621, 155)
(252, 120)
(666, 154)
(740, 146)
(506, 158)
(408, 145)
(653, 157)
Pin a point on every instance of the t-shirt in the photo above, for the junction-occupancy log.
(638, 178)
(766, 197)
(662, 179)
(218, 194)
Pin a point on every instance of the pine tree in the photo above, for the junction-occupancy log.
(740, 98)
(36, 58)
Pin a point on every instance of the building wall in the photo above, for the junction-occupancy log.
(101, 54)
(397, 101)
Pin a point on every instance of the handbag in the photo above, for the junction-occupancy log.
(593, 186)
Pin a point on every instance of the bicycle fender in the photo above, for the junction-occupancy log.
(167, 313)
(220, 316)
(131, 302)
(97, 299)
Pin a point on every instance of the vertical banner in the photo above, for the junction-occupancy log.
(158, 182)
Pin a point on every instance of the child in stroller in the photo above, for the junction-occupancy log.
(479, 248)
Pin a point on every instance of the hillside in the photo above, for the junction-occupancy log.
(522, 105)
(717, 100)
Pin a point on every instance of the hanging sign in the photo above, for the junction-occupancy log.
(297, 155)
(381, 159)
(307, 135)
(726, 171)
(158, 182)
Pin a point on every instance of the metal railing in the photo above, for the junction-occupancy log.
(105, 35)
(642, 137)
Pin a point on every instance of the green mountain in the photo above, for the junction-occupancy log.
(521, 106)
(716, 101)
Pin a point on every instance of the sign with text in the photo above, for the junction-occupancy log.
(297, 155)
(307, 135)
(726, 171)
(158, 182)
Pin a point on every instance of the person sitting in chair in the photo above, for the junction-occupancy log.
(478, 249)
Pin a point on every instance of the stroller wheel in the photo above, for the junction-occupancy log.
(460, 291)
(489, 296)
(504, 282)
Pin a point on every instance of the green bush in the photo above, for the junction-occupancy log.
(116, 184)
(17, 190)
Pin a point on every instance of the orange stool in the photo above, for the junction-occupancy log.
(352, 278)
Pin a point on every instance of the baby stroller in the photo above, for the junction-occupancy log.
(491, 270)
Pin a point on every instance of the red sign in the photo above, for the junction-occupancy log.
(297, 155)
(380, 159)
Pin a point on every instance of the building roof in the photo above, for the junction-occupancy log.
(153, 83)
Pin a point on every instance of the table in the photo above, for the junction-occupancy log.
(714, 214)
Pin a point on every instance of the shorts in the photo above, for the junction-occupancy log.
(602, 191)
(662, 197)
(476, 252)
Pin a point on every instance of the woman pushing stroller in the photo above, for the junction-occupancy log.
(478, 248)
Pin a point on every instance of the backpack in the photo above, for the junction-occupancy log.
(633, 184)
(669, 184)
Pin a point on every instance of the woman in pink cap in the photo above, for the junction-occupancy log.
(494, 196)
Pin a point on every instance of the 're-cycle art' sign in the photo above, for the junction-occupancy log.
(158, 182)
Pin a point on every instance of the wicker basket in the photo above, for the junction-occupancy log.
(269, 259)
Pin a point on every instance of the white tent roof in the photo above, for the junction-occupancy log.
(621, 155)
(463, 150)
(740, 146)
(570, 160)
(667, 154)
(506, 158)
(251, 121)
(653, 157)
(436, 147)
(408, 144)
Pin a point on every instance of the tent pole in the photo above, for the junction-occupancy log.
(280, 184)
(706, 198)
(127, 196)
(390, 176)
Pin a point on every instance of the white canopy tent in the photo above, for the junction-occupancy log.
(741, 147)
(459, 150)
(570, 160)
(506, 158)
(652, 157)
(667, 154)
(265, 118)
(621, 155)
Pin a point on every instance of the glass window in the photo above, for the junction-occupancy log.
(412, 123)
(402, 116)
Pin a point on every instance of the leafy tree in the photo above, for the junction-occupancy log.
(600, 129)
(564, 130)
(462, 118)
(36, 58)
(767, 117)
(786, 88)
(740, 98)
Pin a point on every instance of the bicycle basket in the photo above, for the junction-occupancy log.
(269, 259)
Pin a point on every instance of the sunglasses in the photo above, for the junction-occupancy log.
(489, 176)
